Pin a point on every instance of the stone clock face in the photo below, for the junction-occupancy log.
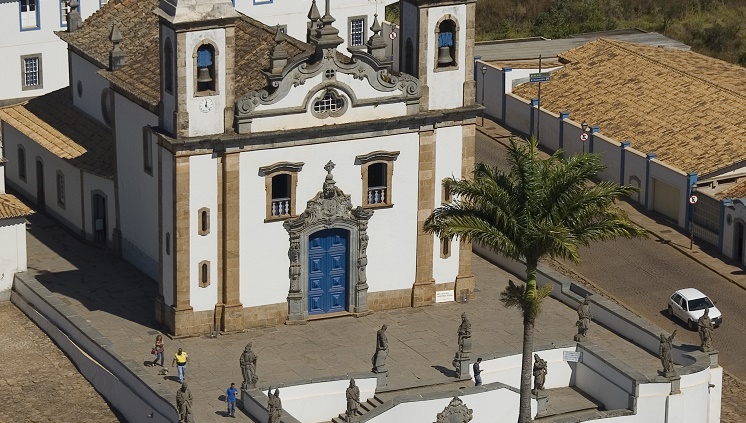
(205, 105)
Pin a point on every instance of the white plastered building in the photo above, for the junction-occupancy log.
(13, 257)
(37, 59)
(258, 178)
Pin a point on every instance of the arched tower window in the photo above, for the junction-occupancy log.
(446, 43)
(205, 69)
(168, 67)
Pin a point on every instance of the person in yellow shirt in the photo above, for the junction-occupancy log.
(180, 359)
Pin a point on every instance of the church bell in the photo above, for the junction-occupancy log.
(444, 56)
(203, 75)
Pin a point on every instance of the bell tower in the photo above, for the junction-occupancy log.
(437, 46)
(197, 55)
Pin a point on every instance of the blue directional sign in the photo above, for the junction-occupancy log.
(539, 77)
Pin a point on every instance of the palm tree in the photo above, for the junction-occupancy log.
(543, 207)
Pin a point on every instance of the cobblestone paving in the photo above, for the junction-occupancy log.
(37, 381)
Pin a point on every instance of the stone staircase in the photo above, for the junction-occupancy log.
(364, 408)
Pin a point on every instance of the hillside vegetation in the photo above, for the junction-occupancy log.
(713, 27)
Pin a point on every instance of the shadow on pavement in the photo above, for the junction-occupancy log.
(446, 371)
(124, 291)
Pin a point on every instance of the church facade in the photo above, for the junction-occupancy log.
(259, 178)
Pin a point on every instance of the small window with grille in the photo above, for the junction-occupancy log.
(31, 67)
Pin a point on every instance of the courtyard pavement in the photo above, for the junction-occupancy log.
(118, 301)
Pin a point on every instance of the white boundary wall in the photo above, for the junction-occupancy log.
(92, 354)
(625, 165)
(13, 257)
(320, 401)
(650, 396)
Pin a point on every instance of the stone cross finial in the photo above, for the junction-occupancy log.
(329, 167)
(73, 16)
(116, 55)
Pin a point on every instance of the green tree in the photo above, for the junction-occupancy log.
(542, 207)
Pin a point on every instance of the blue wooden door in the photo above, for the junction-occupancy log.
(327, 271)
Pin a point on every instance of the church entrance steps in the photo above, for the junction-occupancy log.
(365, 407)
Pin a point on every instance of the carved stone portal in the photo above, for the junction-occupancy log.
(330, 208)
(455, 412)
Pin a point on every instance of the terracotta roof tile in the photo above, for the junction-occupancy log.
(679, 104)
(52, 121)
(736, 191)
(11, 207)
(139, 27)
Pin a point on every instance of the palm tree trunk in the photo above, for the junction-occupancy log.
(529, 319)
(524, 411)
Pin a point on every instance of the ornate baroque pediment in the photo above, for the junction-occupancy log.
(361, 66)
(455, 412)
(328, 206)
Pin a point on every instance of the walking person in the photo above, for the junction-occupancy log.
(477, 372)
(230, 399)
(180, 359)
(158, 351)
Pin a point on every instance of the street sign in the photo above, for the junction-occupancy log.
(539, 77)
(392, 35)
(584, 136)
(693, 199)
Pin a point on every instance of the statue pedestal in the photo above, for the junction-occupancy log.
(461, 364)
(381, 380)
(713, 358)
(542, 400)
(675, 385)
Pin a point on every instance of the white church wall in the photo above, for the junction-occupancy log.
(139, 225)
(448, 145)
(392, 231)
(307, 119)
(203, 186)
(167, 221)
(13, 256)
(90, 98)
(211, 122)
(91, 184)
(453, 77)
(70, 213)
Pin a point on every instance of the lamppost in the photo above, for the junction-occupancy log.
(692, 201)
(484, 71)
(586, 129)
